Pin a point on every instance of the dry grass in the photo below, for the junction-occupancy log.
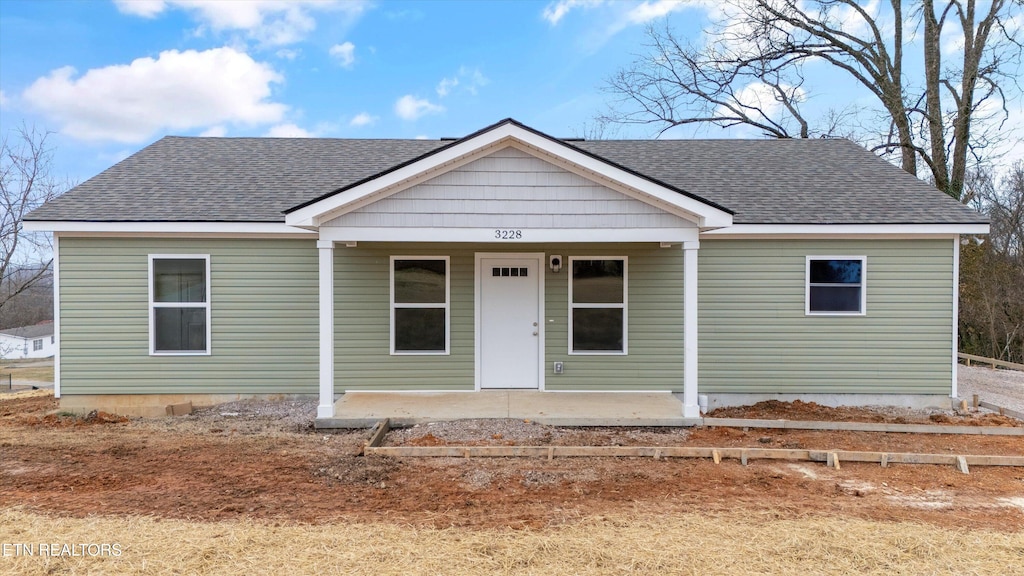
(34, 373)
(736, 544)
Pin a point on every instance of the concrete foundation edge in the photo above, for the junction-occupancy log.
(917, 401)
(155, 405)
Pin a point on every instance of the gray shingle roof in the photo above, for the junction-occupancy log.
(257, 179)
(30, 332)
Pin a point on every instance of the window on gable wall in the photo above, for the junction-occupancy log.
(597, 305)
(179, 305)
(835, 285)
(419, 305)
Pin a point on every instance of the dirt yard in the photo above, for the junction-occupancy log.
(243, 464)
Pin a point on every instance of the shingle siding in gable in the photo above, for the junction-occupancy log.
(509, 189)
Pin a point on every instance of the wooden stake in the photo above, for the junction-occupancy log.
(961, 465)
(716, 456)
(833, 460)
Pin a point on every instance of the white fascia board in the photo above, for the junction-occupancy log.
(529, 235)
(754, 231)
(227, 228)
(706, 216)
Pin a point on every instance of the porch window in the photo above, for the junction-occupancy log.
(835, 285)
(597, 305)
(179, 304)
(419, 305)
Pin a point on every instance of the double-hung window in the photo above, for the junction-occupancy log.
(597, 305)
(179, 304)
(835, 285)
(37, 345)
(419, 305)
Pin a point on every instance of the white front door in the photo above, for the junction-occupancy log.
(509, 321)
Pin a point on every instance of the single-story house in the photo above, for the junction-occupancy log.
(37, 341)
(205, 268)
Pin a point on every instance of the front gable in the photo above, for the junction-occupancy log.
(509, 188)
(509, 176)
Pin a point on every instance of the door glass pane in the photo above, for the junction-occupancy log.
(419, 329)
(420, 281)
(179, 280)
(597, 329)
(180, 329)
(597, 281)
(835, 271)
(835, 299)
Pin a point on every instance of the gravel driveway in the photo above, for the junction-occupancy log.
(1000, 387)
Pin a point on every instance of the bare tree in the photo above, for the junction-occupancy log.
(992, 270)
(26, 182)
(751, 71)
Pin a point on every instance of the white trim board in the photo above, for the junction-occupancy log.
(753, 231)
(273, 229)
(56, 316)
(529, 235)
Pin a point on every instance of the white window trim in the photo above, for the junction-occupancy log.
(624, 306)
(446, 306)
(863, 286)
(154, 305)
(37, 344)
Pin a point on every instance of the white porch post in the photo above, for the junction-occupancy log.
(325, 409)
(690, 406)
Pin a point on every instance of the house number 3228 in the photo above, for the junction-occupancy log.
(508, 234)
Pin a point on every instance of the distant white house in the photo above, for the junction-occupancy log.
(28, 342)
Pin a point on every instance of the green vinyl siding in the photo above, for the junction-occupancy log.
(263, 299)
(756, 338)
(362, 321)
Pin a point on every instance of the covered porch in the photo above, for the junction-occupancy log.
(508, 275)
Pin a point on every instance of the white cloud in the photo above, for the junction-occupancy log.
(762, 97)
(270, 22)
(445, 86)
(471, 80)
(422, 137)
(288, 53)
(555, 11)
(345, 53)
(3, 99)
(176, 91)
(647, 11)
(409, 107)
(288, 131)
(363, 119)
(218, 131)
(144, 8)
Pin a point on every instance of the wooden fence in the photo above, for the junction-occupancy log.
(968, 358)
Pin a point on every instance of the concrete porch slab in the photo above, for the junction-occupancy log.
(364, 409)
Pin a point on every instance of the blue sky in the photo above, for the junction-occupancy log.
(110, 77)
